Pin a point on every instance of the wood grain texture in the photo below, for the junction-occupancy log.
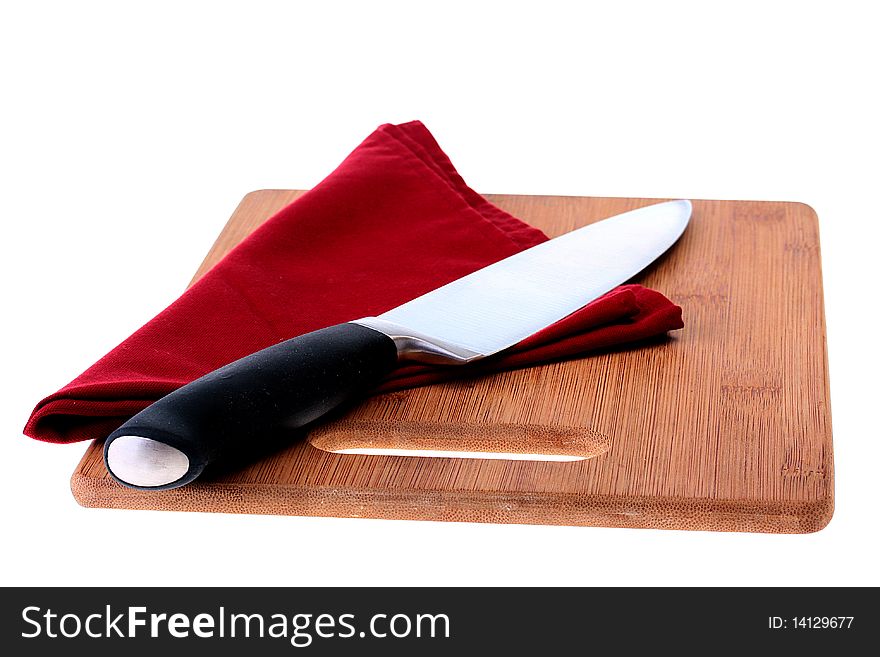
(724, 427)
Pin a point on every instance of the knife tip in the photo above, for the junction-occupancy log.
(687, 209)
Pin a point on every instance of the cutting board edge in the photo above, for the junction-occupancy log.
(258, 195)
(692, 514)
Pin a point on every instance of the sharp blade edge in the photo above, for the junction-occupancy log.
(497, 306)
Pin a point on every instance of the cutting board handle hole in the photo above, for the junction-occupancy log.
(491, 441)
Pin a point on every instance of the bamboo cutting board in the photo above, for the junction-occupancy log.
(725, 426)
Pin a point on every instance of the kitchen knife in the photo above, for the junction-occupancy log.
(295, 382)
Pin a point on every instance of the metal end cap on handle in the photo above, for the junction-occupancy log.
(140, 462)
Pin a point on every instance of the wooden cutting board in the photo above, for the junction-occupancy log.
(725, 426)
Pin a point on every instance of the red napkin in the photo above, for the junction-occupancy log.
(393, 221)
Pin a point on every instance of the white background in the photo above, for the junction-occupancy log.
(128, 136)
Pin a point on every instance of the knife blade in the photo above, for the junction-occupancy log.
(295, 382)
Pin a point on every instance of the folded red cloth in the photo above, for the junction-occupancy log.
(393, 221)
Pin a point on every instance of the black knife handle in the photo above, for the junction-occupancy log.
(288, 384)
